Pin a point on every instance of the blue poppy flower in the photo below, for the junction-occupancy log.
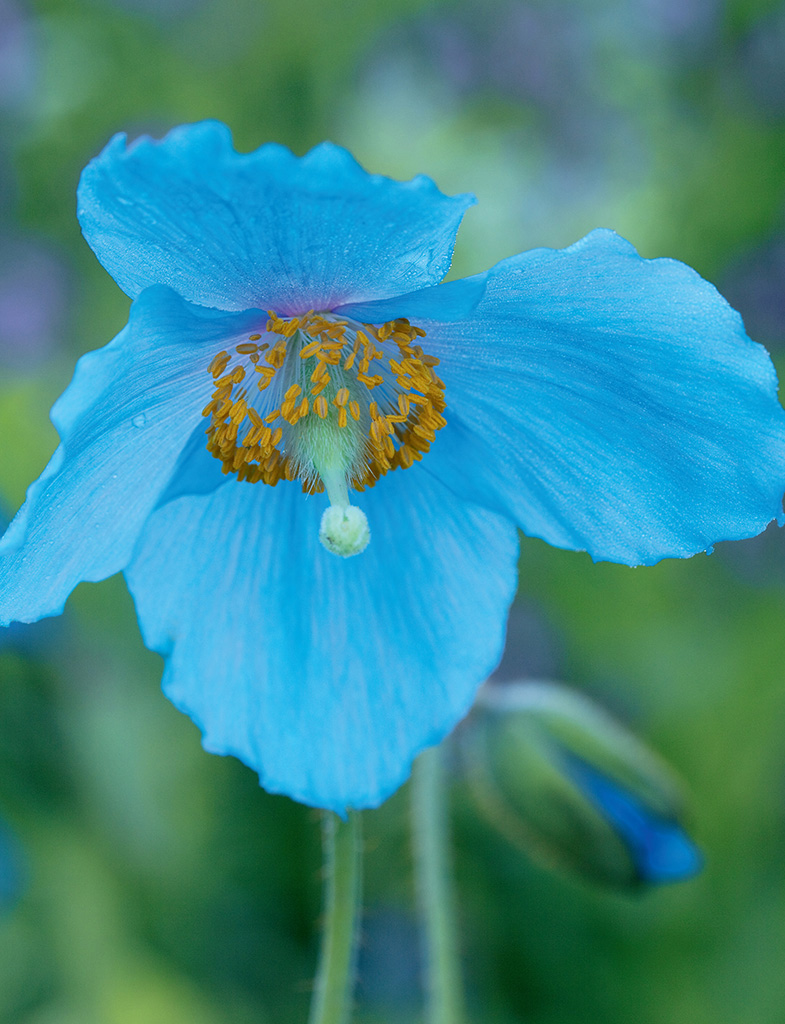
(288, 327)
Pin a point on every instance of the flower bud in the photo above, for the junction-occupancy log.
(574, 788)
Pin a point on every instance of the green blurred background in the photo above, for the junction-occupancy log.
(143, 881)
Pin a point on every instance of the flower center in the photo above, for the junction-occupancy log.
(329, 401)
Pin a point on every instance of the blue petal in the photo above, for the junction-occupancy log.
(326, 675)
(605, 402)
(196, 472)
(123, 421)
(454, 300)
(262, 229)
(660, 848)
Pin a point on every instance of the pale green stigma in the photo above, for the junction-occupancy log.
(344, 531)
(344, 528)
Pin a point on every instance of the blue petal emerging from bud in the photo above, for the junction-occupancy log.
(660, 848)
(575, 789)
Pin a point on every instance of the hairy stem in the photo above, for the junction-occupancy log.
(430, 828)
(332, 996)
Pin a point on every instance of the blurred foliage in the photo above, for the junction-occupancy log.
(143, 881)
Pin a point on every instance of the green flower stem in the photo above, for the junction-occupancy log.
(430, 829)
(332, 996)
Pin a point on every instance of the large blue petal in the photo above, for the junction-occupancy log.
(603, 401)
(123, 421)
(326, 675)
(237, 230)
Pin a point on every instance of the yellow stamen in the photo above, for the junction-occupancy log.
(219, 363)
(311, 348)
(395, 430)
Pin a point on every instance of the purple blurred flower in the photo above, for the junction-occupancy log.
(563, 54)
(755, 285)
(590, 78)
(17, 66)
(33, 297)
(760, 63)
